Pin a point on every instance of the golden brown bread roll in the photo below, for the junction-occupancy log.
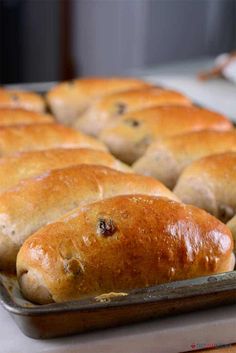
(67, 100)
(108, 109)
(30, 164)
(41, 137)
(129, 137)
(39, 201)
(10, 117)
(165, 159)
(122, 243)
(232, 226)
(210, 183)
(21, 99)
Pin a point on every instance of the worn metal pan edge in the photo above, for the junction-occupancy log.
(223, 282)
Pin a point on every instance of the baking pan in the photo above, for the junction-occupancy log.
(54, 320)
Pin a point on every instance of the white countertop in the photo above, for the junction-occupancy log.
(165, 335)
(217, 94)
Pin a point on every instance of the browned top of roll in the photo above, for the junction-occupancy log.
(91, 87)
(43, 136)
(68, 99)
(129, 137)
(21, 99)
(122, 243)
(210, 183)
(165, 159)
(29, 164)
(38, 201)
(198, 144)
(17, 116)
(219, 167)
(109, 108)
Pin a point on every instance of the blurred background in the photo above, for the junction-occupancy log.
(50, 40)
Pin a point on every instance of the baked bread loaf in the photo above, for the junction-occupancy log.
(68, 100)
(232, 226)
(122, 243)
(41, 137)
(21, 99)
(10, 117)
(38, 201)
(30, 164)
(210, 183)
(165, 159)
(129, 137)
(108, 109)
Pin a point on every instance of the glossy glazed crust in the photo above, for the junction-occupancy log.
(69, 99)
(210, 183)
(38, 201)
(166, 159)
(16, 116)
(129, 137)
(232, 226)
(122, 243)
(43, 136)
(30, 164)
(108, 109)
(21, 99)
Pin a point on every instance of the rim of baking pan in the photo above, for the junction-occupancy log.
(223, 282)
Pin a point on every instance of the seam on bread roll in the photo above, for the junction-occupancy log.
(183, 150)
(37, 201)
(128, 137)
(43, 136)
(30, 164)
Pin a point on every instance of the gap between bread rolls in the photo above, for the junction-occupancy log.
(128, 137)
(108, 109)
(210, 183)
(30, 164)
(43, 136)
(166, 158)
(37, 201)
(68, 100)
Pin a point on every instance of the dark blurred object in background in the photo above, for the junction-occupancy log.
(104, 37)
(33, 40)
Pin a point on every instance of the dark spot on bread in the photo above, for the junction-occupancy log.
(72, 266)
(132, 122)
(120, 108)
(225, 213)
(71, 83)
(15, 97)
(106, 227)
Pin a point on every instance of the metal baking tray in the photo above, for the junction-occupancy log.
(54, 320)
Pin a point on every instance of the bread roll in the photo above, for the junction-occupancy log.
(166, 158)
(10, 117)
(210, 183)
(122, 243)
(108, 109)
(69, 99)
(41, 137)
(21, 99)
(129, 137)
(39, 201)
(232, 226)
(30, 164)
